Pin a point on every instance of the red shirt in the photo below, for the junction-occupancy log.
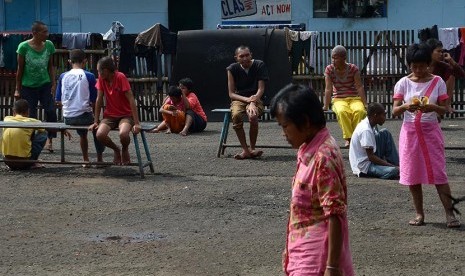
(116, 103)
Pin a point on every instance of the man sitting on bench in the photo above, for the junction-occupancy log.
(246, 85)
(22, 143)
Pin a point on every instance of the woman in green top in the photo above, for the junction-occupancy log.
(35, 78)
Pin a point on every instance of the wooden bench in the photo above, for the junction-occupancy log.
(61, 127)
(225, 130)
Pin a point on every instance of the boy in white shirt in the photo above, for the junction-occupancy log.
(372, 152)
(77, 94)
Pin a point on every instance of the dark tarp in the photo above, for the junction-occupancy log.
(204, 55)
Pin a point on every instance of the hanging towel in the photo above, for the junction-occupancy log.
(116, 29)
(75, 40)
(449, 37)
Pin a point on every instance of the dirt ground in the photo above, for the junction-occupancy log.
(203, 215)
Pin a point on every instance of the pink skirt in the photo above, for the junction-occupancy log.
(421, 152)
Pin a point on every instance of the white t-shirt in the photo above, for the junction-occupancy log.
(76, 91)
(405, 90)
(363, 138)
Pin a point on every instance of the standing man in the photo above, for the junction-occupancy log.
(246, 85)
(35, 77)
(372, 152)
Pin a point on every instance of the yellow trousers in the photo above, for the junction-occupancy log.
(349, 112)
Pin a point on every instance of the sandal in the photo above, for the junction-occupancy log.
(417, 222)
(453, 223)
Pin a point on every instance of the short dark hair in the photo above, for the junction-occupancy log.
(36, 26)
(240, 48)
(174, 91)
(418, 53)
(21, 106)
(106, 63)
(77, 56)
(375, 108)
(298, 104)
(188, 83)
(433, 43)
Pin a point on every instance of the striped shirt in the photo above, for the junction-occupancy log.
(343, 86)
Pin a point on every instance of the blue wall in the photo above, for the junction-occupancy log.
(96, 16)
(138, 15)
(18, 15)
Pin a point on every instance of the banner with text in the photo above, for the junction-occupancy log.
(255, 10)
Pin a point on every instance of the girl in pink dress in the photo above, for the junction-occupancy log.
(317, 233)
(421, 142)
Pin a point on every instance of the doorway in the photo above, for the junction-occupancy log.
(185, 15)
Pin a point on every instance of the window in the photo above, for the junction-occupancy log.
(349, 8)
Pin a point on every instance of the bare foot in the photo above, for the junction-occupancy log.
(256, 153)
(126, 157)
(155, 130)
(117, 157)
(243, 155)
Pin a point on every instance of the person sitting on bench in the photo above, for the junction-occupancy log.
(372, 152)
(120, 111)
(76, 93)
(22, 143)
(246, 85)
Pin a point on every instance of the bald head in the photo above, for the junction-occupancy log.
(339, 50)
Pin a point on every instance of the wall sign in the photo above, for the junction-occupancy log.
(256, 10)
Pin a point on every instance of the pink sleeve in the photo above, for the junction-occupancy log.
(330, 190)
(328, 71)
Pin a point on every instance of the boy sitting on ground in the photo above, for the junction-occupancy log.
(173, 112)
(372, 152)
(20, 144)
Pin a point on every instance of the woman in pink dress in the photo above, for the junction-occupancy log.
(317, 233)
(421, 142)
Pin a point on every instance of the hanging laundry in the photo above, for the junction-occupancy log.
(75, 40)
(449, 37)
(427, 33)
(116, 29)
(461, 60)
(10, 43)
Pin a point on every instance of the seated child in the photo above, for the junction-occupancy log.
(173, 112)
(76, 93)
(22, 143)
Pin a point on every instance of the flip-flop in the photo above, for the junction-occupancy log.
(453, 223)
(417, 222)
